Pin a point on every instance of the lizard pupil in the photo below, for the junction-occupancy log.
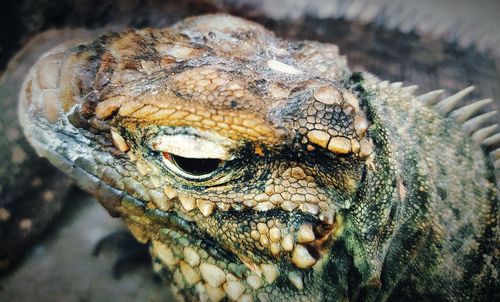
(194, 166)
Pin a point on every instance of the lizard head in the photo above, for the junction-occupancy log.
(240, 156)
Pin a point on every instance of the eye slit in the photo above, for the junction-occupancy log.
(194, 166)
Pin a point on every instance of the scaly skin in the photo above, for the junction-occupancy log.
(262, 169)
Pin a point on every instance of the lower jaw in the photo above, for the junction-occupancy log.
(196, 274)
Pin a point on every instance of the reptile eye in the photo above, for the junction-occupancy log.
(194, 167)
(193, 155)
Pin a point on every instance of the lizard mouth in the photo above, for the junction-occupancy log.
(299, 236)
(191, 255)
(204, 254)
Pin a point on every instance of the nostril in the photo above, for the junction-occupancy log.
(41, 94)
(48, 72)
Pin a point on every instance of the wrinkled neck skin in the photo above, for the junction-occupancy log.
(258, 169)
(447, 202)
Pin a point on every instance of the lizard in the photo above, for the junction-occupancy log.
(264, 169)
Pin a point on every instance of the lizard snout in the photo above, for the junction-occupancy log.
(51, 89)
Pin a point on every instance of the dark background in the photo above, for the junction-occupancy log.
(448, 44)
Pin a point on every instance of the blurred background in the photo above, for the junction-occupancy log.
(467, 22)
(448, 44)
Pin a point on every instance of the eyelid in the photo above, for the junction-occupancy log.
(191, 146)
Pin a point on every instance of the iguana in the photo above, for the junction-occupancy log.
(264, 169)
